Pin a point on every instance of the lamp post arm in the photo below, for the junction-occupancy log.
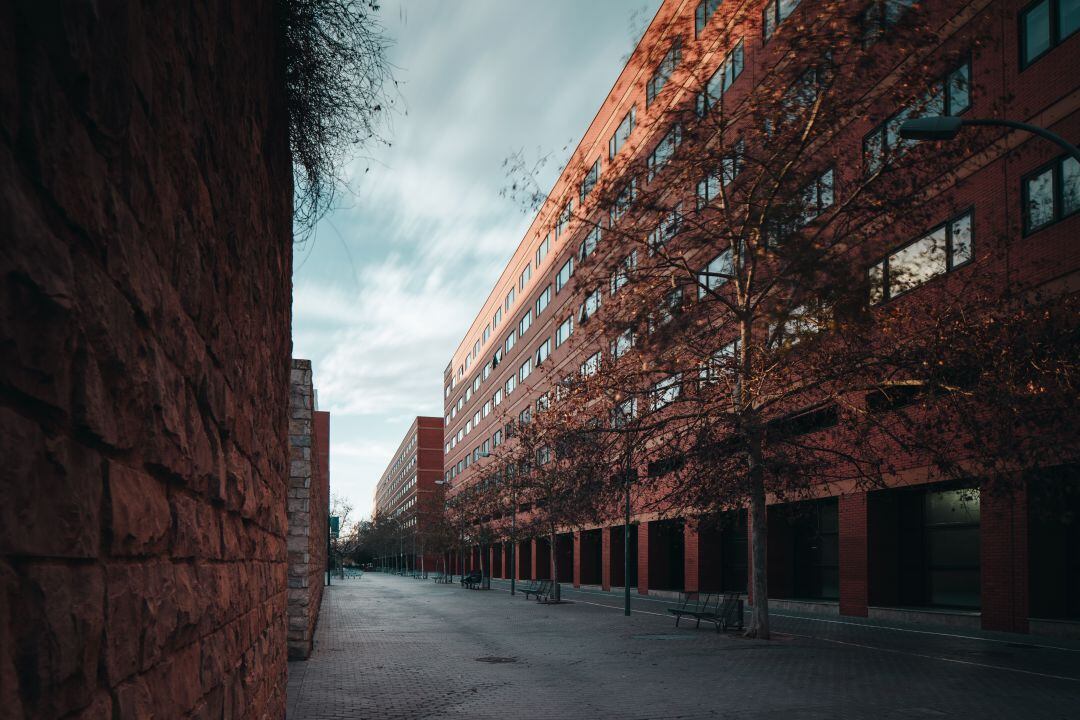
(1033, 129)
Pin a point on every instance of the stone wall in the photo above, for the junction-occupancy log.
(145, 262)
(308, 509)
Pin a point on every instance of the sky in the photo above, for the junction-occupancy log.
(392, 277)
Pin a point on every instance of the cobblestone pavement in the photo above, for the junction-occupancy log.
(389, 647)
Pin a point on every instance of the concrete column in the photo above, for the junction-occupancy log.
(642, 558)
(854, 545)
(1003, 533)
(691, 556)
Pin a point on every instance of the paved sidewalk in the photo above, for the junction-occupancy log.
(392, 647)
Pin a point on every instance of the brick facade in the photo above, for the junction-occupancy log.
(145, 211)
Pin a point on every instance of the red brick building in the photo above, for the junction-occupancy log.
(920, 550)
(407, 491)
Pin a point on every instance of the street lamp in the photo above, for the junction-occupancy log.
(939, 128)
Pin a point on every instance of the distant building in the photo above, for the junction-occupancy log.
(407, 491)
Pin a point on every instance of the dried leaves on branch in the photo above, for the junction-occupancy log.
(337, 76)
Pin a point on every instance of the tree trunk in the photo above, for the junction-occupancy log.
(759, 535)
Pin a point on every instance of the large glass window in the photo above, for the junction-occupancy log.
(525, 370)
(703, 13)
(510, 340)
(622, 273)
(542, 251)
(591, 365)
(590, 242)
(730, 165)
(721, 80)
(939, 547)
(624, 200)
(523, 279)
(667, 228)
(564, 331)
(590, 306)
(1044, 25)
(663, 72)
(565, 273)
(666, 391)
(543, 351)
(774, 13)
(543, 300)
(524, 324)
(509, 301)
(949, 96)
(941, 250)
(622, 133)
(879, 16)
(663, 151)
(1051, 193)
(592, 177)
(716, 273)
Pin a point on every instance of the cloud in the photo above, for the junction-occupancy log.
(391, 280)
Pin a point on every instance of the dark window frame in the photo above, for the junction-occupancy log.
(1057, 182)
(1055, 32)
(949, 266)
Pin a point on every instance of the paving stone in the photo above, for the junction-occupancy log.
(390, 647)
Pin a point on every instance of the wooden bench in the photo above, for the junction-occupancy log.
(694, 605)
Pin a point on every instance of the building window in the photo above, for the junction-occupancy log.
(510, 340)
(622, 273)
(487, 408)
(721, 80)
(774, 13)
(590, 306)
(565, 273)
(524, 324)
(590, 180)
(564, 218)
(666, 391)
(663, 151)
(1051, 193)
(663, 72)
(496, 319)
(564, 331)
(817, 196)
(511, 383)
(949, 96)
(542, 251)
(476, 418)
(719, 362)
(669, 307)
(525, 370)
(715, 274)
(543, 351)
(703, 13)
(624, 200)
(1044, 25)
(543, 300)
(879, 17)
(730, 166)
(497, 398)
(496, 439)
(667, 228)
(588, 245)
(487, 370)
(622, 344)
(523, 279)
(487, 334)
(509, 302)
(591, 365)
(622, 133)
(942, 250)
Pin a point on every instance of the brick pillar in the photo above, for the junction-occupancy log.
(642, 559)
(1004, 559)
(691, 556)
(854, 543)
(532, 558)
(605, 558)
(577, 558)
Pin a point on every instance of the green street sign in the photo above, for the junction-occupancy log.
(335, 526)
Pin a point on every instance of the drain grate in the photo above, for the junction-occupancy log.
(496, 659)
